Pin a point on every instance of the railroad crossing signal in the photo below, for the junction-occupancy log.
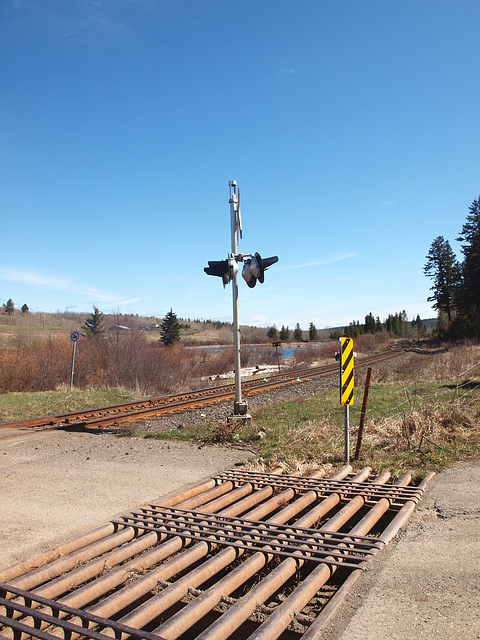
(346, 371)
(254, 269)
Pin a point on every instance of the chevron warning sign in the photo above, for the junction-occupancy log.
(346, 371)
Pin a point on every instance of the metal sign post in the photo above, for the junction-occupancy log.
(74, 336)
(240, 407)
(346, 386)
(254, 267)
(276, 345)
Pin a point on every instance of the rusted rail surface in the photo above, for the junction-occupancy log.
(127, 412)
(242, 555)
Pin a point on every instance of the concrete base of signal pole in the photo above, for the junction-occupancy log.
(240, 413)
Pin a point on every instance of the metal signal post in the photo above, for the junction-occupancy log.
(254, 268)
(240, 407)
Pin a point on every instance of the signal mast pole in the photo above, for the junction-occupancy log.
(254, 268)
(240, 407)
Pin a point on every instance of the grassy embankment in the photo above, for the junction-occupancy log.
(423, 417)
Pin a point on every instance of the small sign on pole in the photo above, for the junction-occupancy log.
(346, 386)
(276, 345)
(74, 336)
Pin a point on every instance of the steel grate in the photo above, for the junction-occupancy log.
(303, 544)
(240, 555)
(324, 486)
(9, 597)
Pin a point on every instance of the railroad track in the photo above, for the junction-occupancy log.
(115, 415)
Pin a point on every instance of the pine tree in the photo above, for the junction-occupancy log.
(312, 332)
(94, 326)
(9, 307)
(470, 291)
(284, 333)
(298, 333)
(443, 268)
(170, 329)
(272, 332)
(369, 326)
(25, 308)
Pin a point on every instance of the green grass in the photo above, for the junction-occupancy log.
(410, 425)
(24, 406)
(419, 427)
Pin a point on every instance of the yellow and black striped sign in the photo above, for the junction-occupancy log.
(346, 371)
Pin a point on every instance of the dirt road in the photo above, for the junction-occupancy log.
(59, 484)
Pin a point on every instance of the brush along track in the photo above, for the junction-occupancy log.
(242, 555)
(176, 403)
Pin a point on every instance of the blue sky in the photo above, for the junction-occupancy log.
(352, 129)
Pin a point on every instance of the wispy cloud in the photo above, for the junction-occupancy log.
(317, 263)
(62, 284)
(388, 203)
(73, 17)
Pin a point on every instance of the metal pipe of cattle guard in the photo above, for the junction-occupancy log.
(180, 622)
(279, 620)
(245, 606)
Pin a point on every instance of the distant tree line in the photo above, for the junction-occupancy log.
(396, 324)
(456, 284)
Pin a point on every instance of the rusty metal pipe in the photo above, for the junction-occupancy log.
(184, 619)
(283, 615)
(60, 585)
(331, 607)
(21, 568)
(243, 608)
(53, 570)
(153, 607)
(119, 600)
(142, 586)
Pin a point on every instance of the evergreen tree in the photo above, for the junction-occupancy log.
(95, 325)
(272, 332)
(443, 268)
(298, 333)
(9, 307)
(419, 326)
(170, 329)
(470, 291)
(284, 333)
(312, 332)
(369, 326)
(25, 308)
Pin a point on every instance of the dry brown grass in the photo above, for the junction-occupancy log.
(450, 423)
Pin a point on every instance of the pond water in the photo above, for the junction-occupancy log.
(284, 352)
